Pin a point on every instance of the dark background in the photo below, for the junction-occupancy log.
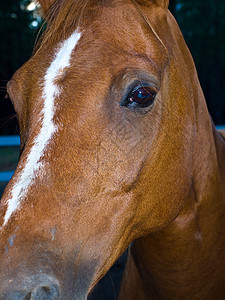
(202, 23)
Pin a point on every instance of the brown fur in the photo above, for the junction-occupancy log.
(115, 175)
(63, 16)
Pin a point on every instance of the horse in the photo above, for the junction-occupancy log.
(118, 150)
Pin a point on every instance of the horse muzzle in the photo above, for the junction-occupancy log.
(40, 287)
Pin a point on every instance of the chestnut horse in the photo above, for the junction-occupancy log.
(117, 147)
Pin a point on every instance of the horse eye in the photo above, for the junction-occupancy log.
(140, 97)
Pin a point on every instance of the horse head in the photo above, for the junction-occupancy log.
(110, 110)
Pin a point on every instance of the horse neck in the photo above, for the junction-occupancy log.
(194, 242)
(208, 175)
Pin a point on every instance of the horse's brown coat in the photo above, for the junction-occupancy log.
(114, 175)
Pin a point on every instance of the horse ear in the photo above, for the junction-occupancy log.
(45, 5)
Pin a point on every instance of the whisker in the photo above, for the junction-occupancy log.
(4, 80)
(8, 121)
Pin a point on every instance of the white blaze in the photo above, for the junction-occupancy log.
(48, 128)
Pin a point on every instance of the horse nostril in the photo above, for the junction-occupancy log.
(44, 293)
